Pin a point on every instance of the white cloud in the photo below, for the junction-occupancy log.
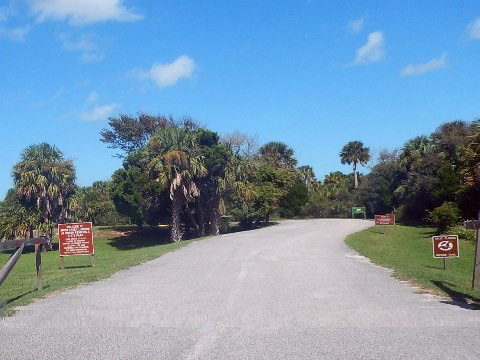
(355, 26)
(474, 29)
(373, 51)
(417, 69)
(15, 34)
(85, 45)
(92, 97)
(169, 74)
(81, 12)
(98, 112)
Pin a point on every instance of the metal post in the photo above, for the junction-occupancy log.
(62, 263)
(38, 265)
(445, 263)
(93, 260)
(476, 262)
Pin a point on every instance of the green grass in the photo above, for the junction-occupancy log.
(408, 251)
(116, 248)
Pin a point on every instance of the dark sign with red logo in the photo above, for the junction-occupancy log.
(445, 246)
(75, 239)
(388, 219)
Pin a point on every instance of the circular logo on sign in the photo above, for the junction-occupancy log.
(445, 245)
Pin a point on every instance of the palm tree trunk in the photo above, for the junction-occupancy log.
(201, 218)
(215, 218)
(355, 174)
(175, 224)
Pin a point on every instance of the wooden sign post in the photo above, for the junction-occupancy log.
(75, 239)
(475, 224)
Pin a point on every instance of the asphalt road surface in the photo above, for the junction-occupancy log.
(291, 291)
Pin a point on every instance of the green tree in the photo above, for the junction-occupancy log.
(175, 161)
(94, 203)
(278, 154)
(307, 176)
(129, 133)
(15, 219)
(45, 180)
(355, 153)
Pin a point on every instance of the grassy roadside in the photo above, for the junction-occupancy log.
(408, 251)
(116, 248)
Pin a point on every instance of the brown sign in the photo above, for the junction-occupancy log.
(75, 239)
(445, 246)
(388, 219)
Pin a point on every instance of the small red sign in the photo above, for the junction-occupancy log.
(388, 219)
(75, 239)
(445, 246)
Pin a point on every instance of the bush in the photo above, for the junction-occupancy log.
(462, 232)
(445, 216)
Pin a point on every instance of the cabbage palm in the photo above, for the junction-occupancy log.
(175, 162)
(307, 175)
(414, 150)
(278, 154)
(44, 180)
(355, 153)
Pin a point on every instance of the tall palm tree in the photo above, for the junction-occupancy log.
(355, 153)
(176, 162)
(44, 180)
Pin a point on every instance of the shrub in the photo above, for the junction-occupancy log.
(445, 216)
(462, 232)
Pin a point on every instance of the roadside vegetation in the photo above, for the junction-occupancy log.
(180, 173)
(408, 251)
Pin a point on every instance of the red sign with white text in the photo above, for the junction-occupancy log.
(75, 239)
(388, 219)
(445, 246)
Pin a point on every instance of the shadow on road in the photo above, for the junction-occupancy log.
(464, 301)
(238, 228)
(4, 304)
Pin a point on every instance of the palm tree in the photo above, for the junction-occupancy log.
(355, 153)
(414, 150)
(176, 162)
(278, 154)
(45, 181)
(307, 176)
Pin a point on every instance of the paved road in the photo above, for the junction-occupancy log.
(293, 291)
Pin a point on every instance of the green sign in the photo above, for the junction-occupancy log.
(359, 210)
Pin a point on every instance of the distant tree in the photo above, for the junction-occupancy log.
(45, 180)
(15, 219)
(450, 139)
(129, 134)
(278, 154)
(136, 195)
(294, 200)
(240, 144)
(175, 162)
(307, 176)
(414, 151)
(355, 153)
(95, 204)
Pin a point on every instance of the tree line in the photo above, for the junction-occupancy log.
(178, 172)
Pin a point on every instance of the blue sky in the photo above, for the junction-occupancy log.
(314, 74)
